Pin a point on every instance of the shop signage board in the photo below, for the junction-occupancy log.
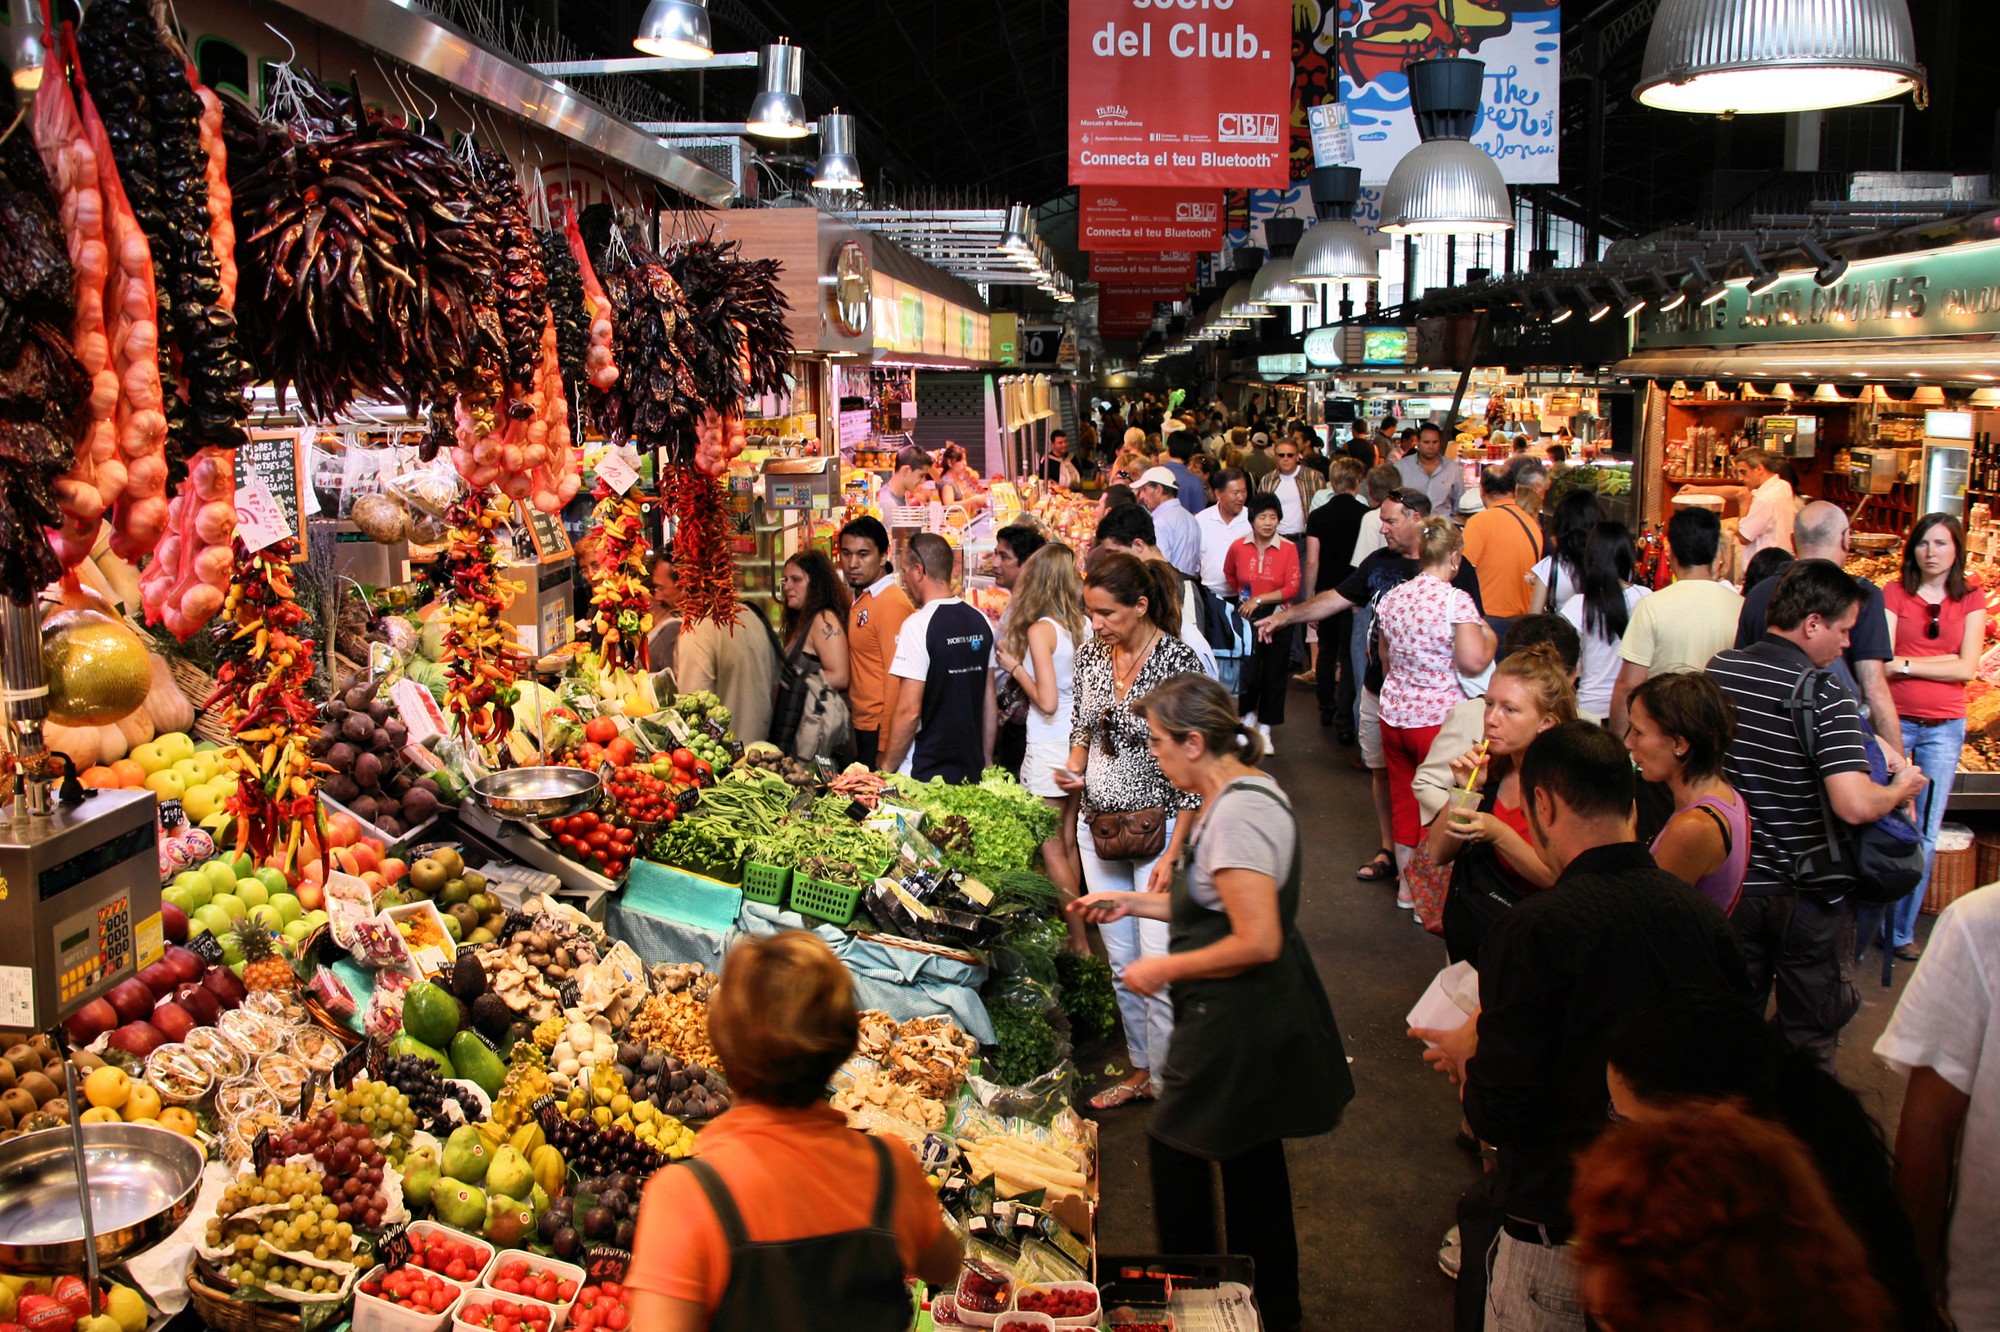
(1927, 294)
(275, 458)
(1323, 347)
(1133, 218)
(1115, 266)
(1368, 42)
(1282, 363)
(1180, 92)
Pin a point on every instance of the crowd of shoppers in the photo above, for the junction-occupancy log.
(1632, 809)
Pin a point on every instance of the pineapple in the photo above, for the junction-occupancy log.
(263, 968)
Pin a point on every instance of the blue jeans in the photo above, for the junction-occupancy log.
(1934, 749)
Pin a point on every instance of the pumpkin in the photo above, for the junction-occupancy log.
(168, 707)
(137, 730)
(112, 744)
(95, 667)
(79, 742)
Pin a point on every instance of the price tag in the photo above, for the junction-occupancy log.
(206, 947)
(617, 471)
(605, 1264)
(351, 1063)
(261, 1150)
(259, 520)
(392, 1249)
(567, 994)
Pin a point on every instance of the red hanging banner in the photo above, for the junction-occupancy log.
(1139, 219)
(1125, 312)
(1180, 92)
(1166, 266)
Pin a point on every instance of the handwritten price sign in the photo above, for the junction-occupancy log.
(618, 473)
(259, 519)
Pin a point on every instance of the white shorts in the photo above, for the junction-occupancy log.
(1038, 766)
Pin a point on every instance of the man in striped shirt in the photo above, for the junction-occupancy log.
(1801, 943)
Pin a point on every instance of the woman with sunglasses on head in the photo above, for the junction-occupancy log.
(1135, 617)
(1937, 627)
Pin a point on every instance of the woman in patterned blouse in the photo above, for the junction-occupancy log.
(1135, 615)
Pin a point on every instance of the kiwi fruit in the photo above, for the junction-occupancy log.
(6, 1118)
(39, 1043)
(57, 1071)
(6, 1075)
(18, 1102)
(38, 1086)
(43, 1119)
(24, 1059)
(86, 1061)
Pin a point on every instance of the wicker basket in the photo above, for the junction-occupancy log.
(1988, 847)
(1953, 875)
(220, 1310)
(198, 684)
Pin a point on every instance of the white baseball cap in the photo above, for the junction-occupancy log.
(1161, 477)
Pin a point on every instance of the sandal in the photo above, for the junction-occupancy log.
(1122, 1094)
(1382, 867)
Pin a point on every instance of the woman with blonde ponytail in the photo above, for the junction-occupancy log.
(1255, 1055)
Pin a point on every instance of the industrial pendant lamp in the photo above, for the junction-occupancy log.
(838, 168)
(1275, 287)
(779, 111)
(1017, 239)
(1447, 184)
(1760, 56)
(1241, 301)
(1628, 303)
(1335, 249)
(28, 58)
(676, 30)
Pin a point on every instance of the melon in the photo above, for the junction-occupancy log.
(96, 667)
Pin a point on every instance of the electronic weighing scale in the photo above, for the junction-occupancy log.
(79, 905)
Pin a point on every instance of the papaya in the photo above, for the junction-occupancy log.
(474, 1059)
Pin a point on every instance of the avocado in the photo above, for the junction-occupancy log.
(430, 1013)
(492, 1016)
(468, 978)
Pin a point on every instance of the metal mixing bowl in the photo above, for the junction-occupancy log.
(143, 1183)
(537, 793)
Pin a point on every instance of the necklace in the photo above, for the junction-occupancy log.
(1122, 681)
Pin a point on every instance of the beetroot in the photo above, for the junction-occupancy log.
(368, 771)
(357, 727)
(138, 1039)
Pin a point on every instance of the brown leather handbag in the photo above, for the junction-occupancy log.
(1132, 834)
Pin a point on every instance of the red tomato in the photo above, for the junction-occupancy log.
(704, 768)
(620, 750)
(600, 730)
(583, 823)
(622, 836)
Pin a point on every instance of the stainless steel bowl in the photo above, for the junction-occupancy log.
(537, 793)
(143, 1183)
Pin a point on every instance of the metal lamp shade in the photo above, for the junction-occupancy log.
(28, 61)
(1445, 187)
(1274, 287)
(1764, 56)
(1335, 250)
(838, 167)
(1240, 304)
(779, 109)
(675, 30)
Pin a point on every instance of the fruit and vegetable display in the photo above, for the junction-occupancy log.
(621, 597)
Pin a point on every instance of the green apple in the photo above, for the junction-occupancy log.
(253, 892)
(269, 917)
(201, 747)
(237, 967)
(451, 927)
(273, 879)
(215, 918)
(201, 801)
(294, 932)
(315, 917)
(177, 745)
(287, 906)
(241, 866)
(190, 770)
(196, 926)
(232, 905)
(176, 896)
(151, 757)
(232, 952)
(221, 878)
(167, 784)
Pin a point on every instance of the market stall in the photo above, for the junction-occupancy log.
(384, 874)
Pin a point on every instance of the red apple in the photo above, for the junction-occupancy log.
(393, 869)
(342, 829)
(225, 985)
(138, 1039)
(91, 1021)
(198, 1001)
(172, 1021)
(174, 921)
(133, 999)
(311, 896)
(366, 853)
(160, 978)
(185, 963)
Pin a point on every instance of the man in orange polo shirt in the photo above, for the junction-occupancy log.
(1502, 542)
(880, 607)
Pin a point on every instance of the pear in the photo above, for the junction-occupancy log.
(509, 1173)
(460, 1206)
(420, 1173)
(466, 1156)
(508, 1221)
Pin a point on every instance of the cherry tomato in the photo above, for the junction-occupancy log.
(582, 823)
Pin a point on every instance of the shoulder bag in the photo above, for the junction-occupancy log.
(1133, 834)
(1874, 863)
(1479, 896)
(824, 728)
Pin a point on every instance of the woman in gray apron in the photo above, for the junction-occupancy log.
(1256, 1057)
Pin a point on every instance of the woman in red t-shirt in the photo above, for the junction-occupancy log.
(1937, 628)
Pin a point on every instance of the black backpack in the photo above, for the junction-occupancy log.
(1873, 863)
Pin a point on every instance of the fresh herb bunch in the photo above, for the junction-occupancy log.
(1087, 997)
(1027, 1043)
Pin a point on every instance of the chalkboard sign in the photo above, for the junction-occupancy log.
(546, 529)
(276, 457)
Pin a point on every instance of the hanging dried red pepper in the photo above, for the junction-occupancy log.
(697, 504)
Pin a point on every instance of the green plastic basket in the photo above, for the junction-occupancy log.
(830, 902)
(765, 883)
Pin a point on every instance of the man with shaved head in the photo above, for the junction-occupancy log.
(1821, 532)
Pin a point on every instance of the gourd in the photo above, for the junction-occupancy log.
(81, 743)
(165, 704)
(95, 667)
(112, 743)
(136, 730)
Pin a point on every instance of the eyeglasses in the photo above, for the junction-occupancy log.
(1931, 630)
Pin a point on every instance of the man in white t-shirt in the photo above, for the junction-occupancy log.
(1945, 1034)
(1768, 521)
(943, 723)
(1222, 524)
